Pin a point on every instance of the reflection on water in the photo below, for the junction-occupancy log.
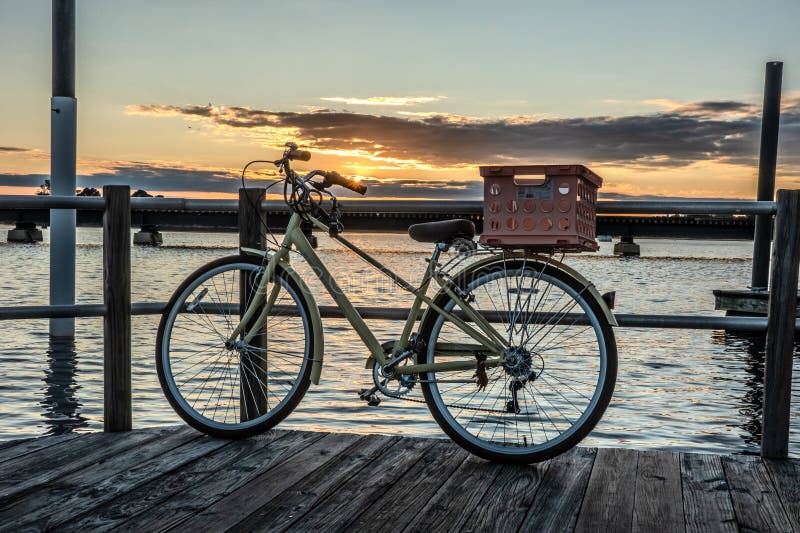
(751, 350)
(60, 405)
(676, 389)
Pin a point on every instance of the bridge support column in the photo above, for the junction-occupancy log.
(148, 235)
(626, 247)
(26, 232)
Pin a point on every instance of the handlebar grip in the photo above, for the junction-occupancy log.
(335, 178)
(299, 155)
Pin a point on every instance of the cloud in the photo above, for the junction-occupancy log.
(420, 188)
(384, 100)
(709, 109)
(680, 135)
(151, 176)
(11, 149)
(161, 177)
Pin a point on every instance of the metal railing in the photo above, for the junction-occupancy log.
(468, 207)
(780, 330)
(625, 320)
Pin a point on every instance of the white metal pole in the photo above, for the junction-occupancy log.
(63, 131)
(63, 140)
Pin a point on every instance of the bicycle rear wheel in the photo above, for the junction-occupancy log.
(560, 369)
(241, 391)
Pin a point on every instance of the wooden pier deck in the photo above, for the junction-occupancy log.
(176, 478)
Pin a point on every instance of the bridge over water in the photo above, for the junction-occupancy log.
(615, 218)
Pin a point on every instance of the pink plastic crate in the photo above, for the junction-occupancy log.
(555, 211)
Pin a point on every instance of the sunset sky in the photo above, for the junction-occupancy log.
(660, 99)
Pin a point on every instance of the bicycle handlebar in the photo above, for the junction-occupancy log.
(334, 178)
(298, 155)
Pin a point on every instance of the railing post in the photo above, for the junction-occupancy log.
(117, 298)
(780, 326)
(767, 161)
(252, 370)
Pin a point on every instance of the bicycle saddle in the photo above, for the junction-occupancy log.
(442, 231)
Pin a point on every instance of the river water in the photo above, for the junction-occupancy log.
(678, 389)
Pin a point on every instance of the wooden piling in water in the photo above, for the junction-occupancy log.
(781, 327)
(767, 163)
(252, 231)
(117, 408)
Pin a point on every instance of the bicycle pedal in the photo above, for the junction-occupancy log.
(369, 396)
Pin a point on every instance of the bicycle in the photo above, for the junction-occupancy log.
(515, 354)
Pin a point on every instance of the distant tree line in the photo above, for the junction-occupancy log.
(44, 190)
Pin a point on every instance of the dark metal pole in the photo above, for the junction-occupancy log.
(768, 158)
(64, 48)
(63, 135)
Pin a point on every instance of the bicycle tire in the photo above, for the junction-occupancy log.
(205, 331)
(458, 420)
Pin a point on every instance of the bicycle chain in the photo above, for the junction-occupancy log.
(449, 406)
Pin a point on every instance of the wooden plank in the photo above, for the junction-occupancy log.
(785, 475)
(706, 498)
(369, 485)
(780, 327)
(246, 500)
(94, 485)
(413, 489)
(196, 498)
(157, 480)
(608, 502)
(450, 507)
(558, 500)
(291, 506)
(755, 501)
(117, 412)
(54, 462)
(148, 495)
(509, 498)
(14, 442)
(17, 448)
(659, 501)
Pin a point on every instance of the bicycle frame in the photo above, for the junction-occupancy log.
(489, 341)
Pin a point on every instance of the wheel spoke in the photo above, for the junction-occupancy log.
(227, 389)
(550, 381)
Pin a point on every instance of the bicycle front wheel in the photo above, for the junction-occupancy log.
(559, 370)
(236, 391)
